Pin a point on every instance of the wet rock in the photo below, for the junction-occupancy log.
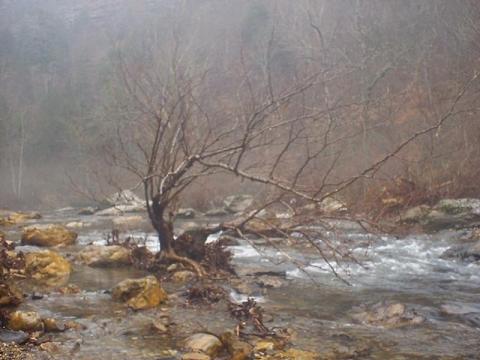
(205, 343)
(195, 356)
(238, 203)
(11, 336)
(264, 346)
(16, 218)
(127, 222)
(295, 354)
(159, 326)
(188, 213)
(47, 267)
(392, 315)
(238, 350)
(25, 321)
(447, 213)
(269, 282)
(218, 212)
(140, 294)
(415, 214)
(48, 235)
(465, 252)
(87, 211)
(52, 325)
(69, 290)
(10, 295)
(183, 276)
(104, 256)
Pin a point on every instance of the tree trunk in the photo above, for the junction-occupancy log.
(164, 230)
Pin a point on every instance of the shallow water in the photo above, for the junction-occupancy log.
(313, 302)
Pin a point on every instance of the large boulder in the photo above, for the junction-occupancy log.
(25, 321)
(238, 203)
(205, 343)
(48, 235)
(48, 268)
(144, 293)
(104, 256)
(447, 213)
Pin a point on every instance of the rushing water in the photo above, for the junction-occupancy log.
(312, 301)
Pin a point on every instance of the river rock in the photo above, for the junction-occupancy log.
(218, 212)
(9, 295)
(238, 203)
(187, 213)
(141, 293)
(16, 218)
(269, 281)
(48, 235)
(52, 325)
(447, 213)
(87, 211)
(25, 321)
(392, 315)
(127, 222)
(205, 343)
(183, 276)
(466, 252)
(47, 267)
(11, 336)
(238, 350)
(104, 256)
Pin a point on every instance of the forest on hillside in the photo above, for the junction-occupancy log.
(376, 73)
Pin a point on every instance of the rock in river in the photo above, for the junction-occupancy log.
(48, 235)
(141, 293)
(205, 343)
(25, 321)
(391, 315)
(48, 267)
(104, 256)
(10, 336)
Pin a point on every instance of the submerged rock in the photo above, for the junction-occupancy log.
(47, 267)
(25, 321)
(141, 293)
(48, 235)
(392, 315)
(238, 203)
(104, 256)
(11, 336)
(205, 343)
